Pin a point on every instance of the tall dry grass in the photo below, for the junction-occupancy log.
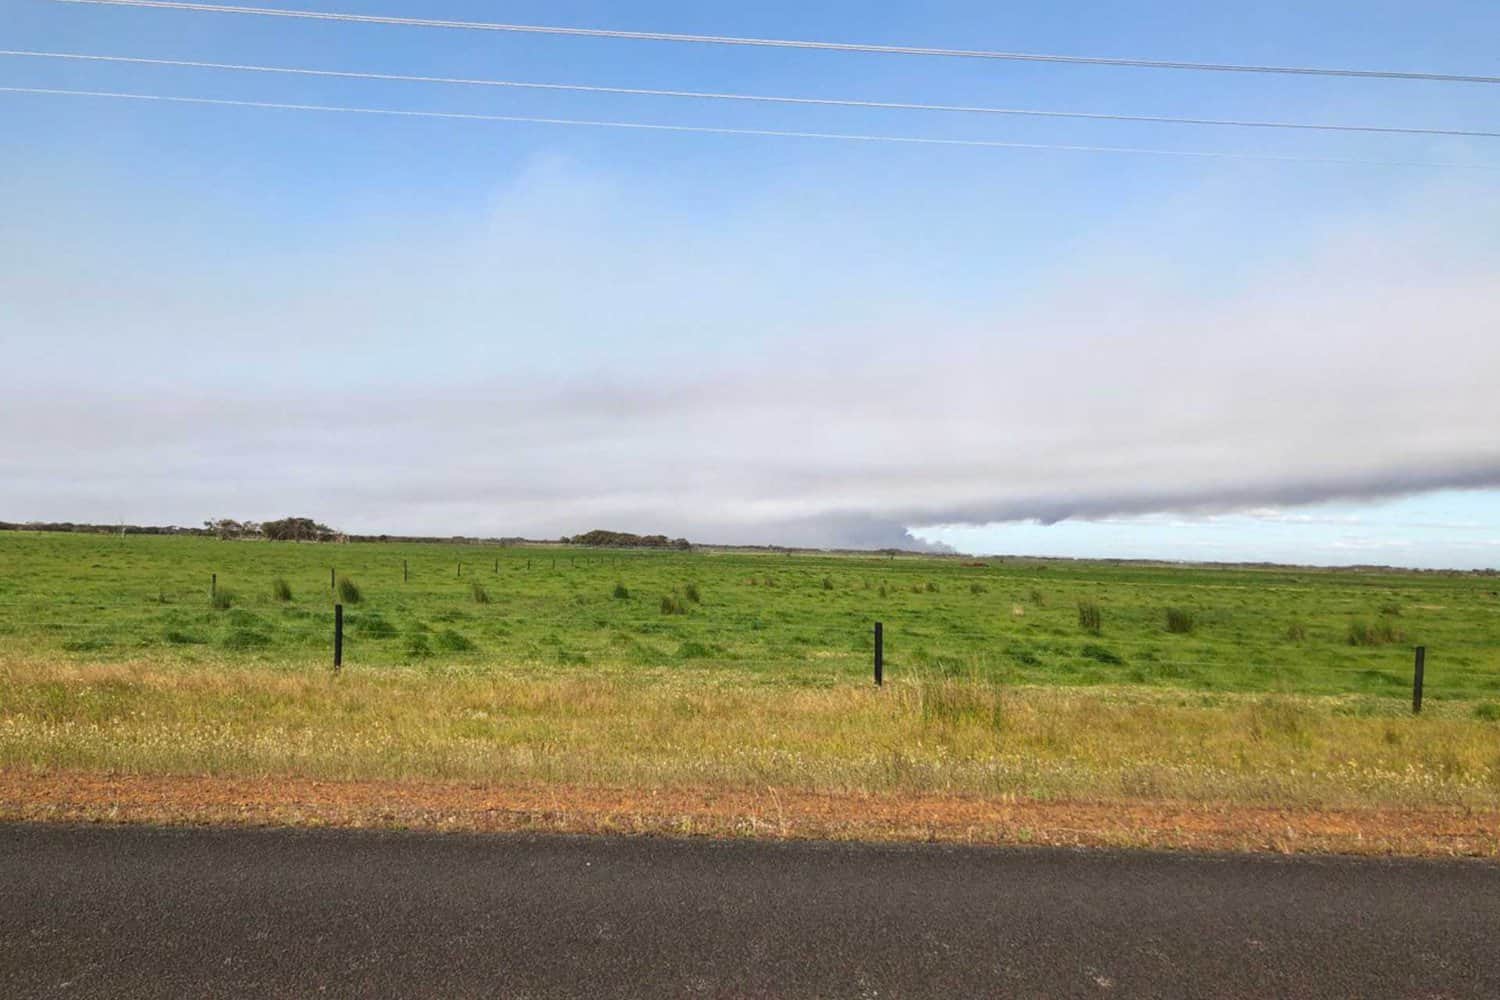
(931, 733)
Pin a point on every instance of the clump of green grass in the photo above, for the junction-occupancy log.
(671, 604)
(452, 641)
(1487, 711)
(1296, 632)
(1100, 654)
(281, 590)
(348, 591)
(827, 583)
(1378, 633)
(931, 587)
(222, 599)
(952, 702)
(1391, 610)
(621, 592)
(478, 593)
(882, 590)
(1090, 618)
(978, 588)
(691, 593)
(1180, 621)
(1037, 597)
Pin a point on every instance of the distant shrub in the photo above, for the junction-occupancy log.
(281, 590)
(1379, 633)
(978, 588)
(348, 591)
(621, 593)
(827, 583)
(1090, 619)
(1296, 632)
(478, 593)
(222, 599)
(691, 593)
(672, 605)
(1180, 621)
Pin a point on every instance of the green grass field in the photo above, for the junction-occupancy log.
(801, 619)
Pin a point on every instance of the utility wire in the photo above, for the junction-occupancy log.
(782, 43)
(711, 130)
(761, 98)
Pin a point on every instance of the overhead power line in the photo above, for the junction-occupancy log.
(784, 43)
(761, 98)
(712, 130)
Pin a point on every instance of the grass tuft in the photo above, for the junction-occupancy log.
(348, 591)
(222, 599)
(281, 590)
(1090, 618)
(478, 593)
(621, 593)
(1180, 621)
(1378, 633)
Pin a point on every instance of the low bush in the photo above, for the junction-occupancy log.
(479, 594)
(281, 590)
(691, 593)
(348, 591)
(621, 593)
(1090, 619)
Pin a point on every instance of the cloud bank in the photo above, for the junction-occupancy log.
(525, 375)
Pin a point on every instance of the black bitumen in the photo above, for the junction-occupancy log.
(131, 912)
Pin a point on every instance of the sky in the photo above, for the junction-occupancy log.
(423, 326)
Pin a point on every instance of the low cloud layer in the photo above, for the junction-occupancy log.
(1360, 367)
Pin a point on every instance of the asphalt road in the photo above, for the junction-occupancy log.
(109, 912)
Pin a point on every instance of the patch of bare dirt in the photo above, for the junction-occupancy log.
(769, 813)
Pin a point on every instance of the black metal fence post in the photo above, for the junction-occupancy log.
(879, 655)
(338, 637)
(213, 586)
(1416, 680)
(333, 583)
(403, 571)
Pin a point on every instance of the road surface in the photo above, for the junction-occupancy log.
(131, 912)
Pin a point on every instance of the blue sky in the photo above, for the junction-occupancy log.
(435, 326)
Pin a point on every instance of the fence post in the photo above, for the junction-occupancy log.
(333, 584)
(879, 655)
(1416, 681)
(460, 568)
(213, 586)
(338, 637)
(403, 571)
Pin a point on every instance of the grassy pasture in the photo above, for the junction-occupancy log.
(638, 676)
(796, 620)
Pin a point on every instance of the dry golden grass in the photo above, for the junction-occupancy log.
(737, 732)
